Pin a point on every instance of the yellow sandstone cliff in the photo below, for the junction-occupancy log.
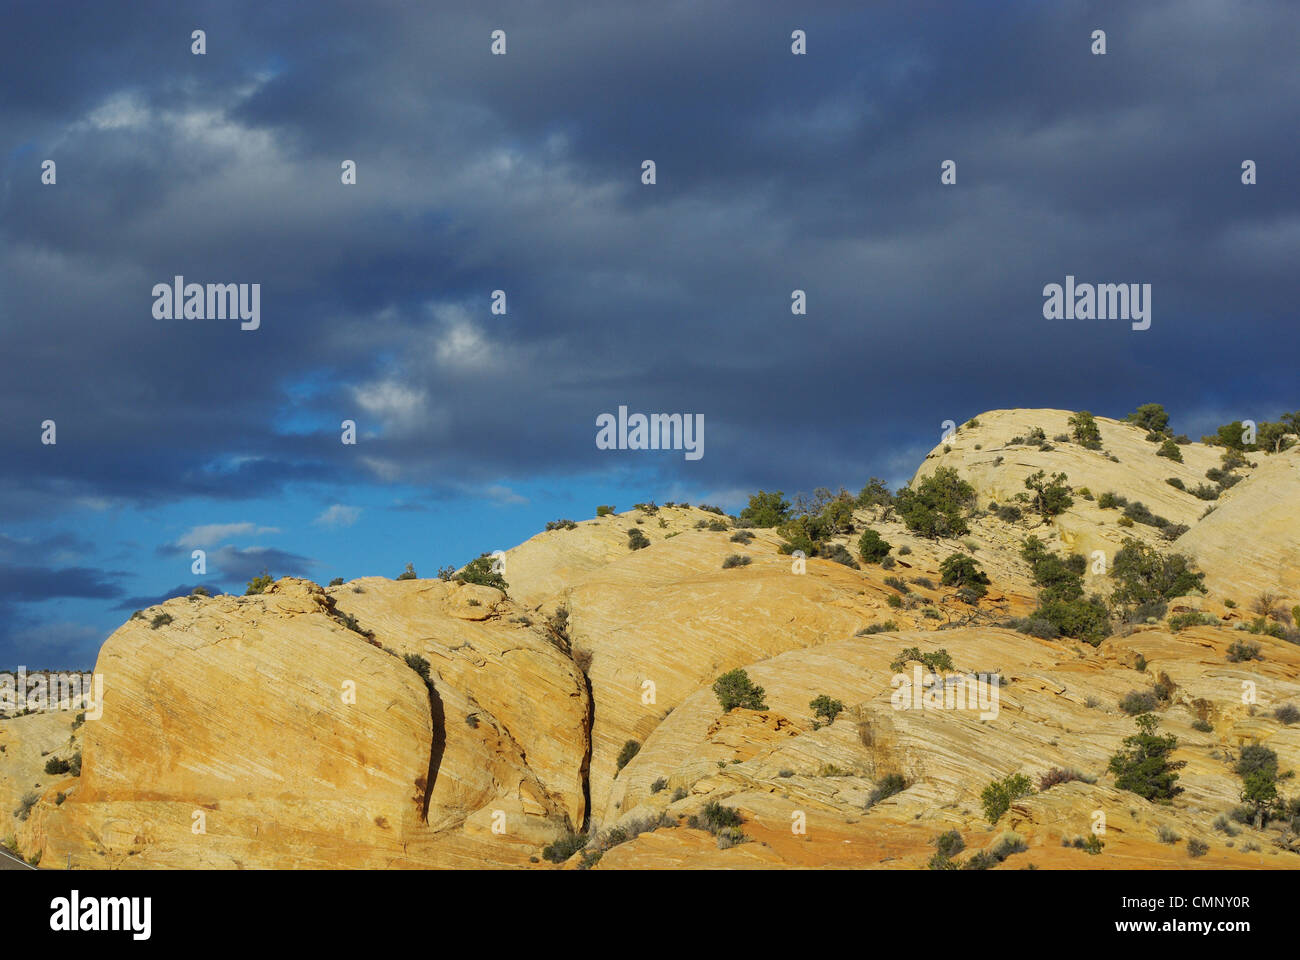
(294, 728)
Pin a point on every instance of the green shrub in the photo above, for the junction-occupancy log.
(875, 494)
(742, 537)
(935, 508)
(872, 548)
(1061, 578)
(1230, 436)
(25, 805)
(736, 560)
(160, 620)
(480, 571)
(998, 796)
(949, 844)
(659, 784)
(258, 584)
(1142, 765)
(409, 573)
(1176, 483)
(887, 787)
(1256, 758)
(1140, 513)
(1221, 478)
(1150, 417)
(630, 750)
(1197, 847)
(824, 706)
(1257, 766)
(1036, 627)
(960, 570)
(1141, 573)
(840, 554)
(766, 510)
(889, 626)
(561, 524)
(1287, 714)
(936, 662)
(1192, 618)
(636, 540)
(1009, 843)
(715, 818)
(1082, 619)
(1170, 449)
(56, 767)
(734, 689)
(565, 847)
(419, 664)
(1239, 652)
(604, 510)
(336, 582)
(1085, 431)
(1138, 701)
(1051, 495)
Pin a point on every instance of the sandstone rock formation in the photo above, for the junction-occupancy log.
(296, 727)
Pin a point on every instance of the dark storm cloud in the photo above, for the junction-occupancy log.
(240, 564)
(180, 590)
(521, 172)
(44, 583)
(53, 566)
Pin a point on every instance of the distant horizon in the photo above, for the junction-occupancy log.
(538, 522)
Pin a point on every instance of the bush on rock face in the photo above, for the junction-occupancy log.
(936, 507)
(734, 689)
(872, 547)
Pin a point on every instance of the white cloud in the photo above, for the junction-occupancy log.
(399, 407)
(210, 534)
(121, 111)
(338, 516)
(459, 343)
(382, 467)
(504, 495)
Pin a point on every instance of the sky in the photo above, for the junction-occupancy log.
(523, 172)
